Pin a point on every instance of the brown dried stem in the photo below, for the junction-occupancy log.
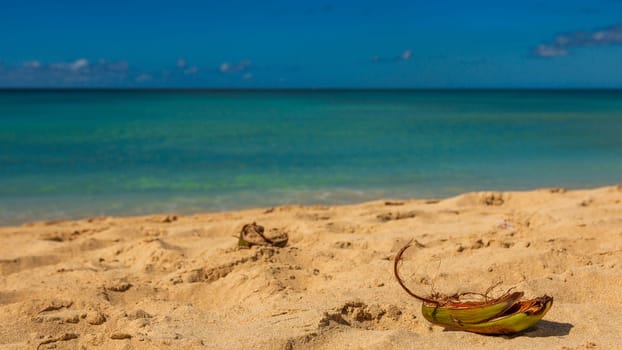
(440, 300)
(396, 262)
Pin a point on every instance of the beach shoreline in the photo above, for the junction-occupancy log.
(179, 281)
(68, 154)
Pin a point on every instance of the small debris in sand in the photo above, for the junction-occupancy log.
(96, 318)
(169, 218)
(56, 304)
(138, 313)
(119, 286)
(396, 216)
(492, 199)
(393, 203)
(253, 234)
(64, 337)
(120, 336)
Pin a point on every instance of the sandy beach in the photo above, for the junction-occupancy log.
(180, 281)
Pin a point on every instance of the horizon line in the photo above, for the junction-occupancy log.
(301, 89)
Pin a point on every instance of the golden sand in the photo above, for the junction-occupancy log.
(180, 282)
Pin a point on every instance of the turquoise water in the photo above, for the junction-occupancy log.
(72, 154)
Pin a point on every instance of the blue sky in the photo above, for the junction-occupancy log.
(311, 44)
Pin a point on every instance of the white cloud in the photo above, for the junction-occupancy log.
(406, 55)
(563, 43)
(599, 35)
(32, 64)
(74, 66)
(78, 64)
(78, 72)
(239, 67)
(181, 63)
(550, 51)
(143, 78)
(224, 67)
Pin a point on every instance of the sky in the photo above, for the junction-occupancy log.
(311, 44)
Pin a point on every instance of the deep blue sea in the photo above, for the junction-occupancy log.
(73, 154)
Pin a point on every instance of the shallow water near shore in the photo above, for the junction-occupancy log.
(72, 154)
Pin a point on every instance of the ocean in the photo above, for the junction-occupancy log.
(67, 154)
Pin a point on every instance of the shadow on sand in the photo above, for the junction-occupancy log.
(548, 329)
